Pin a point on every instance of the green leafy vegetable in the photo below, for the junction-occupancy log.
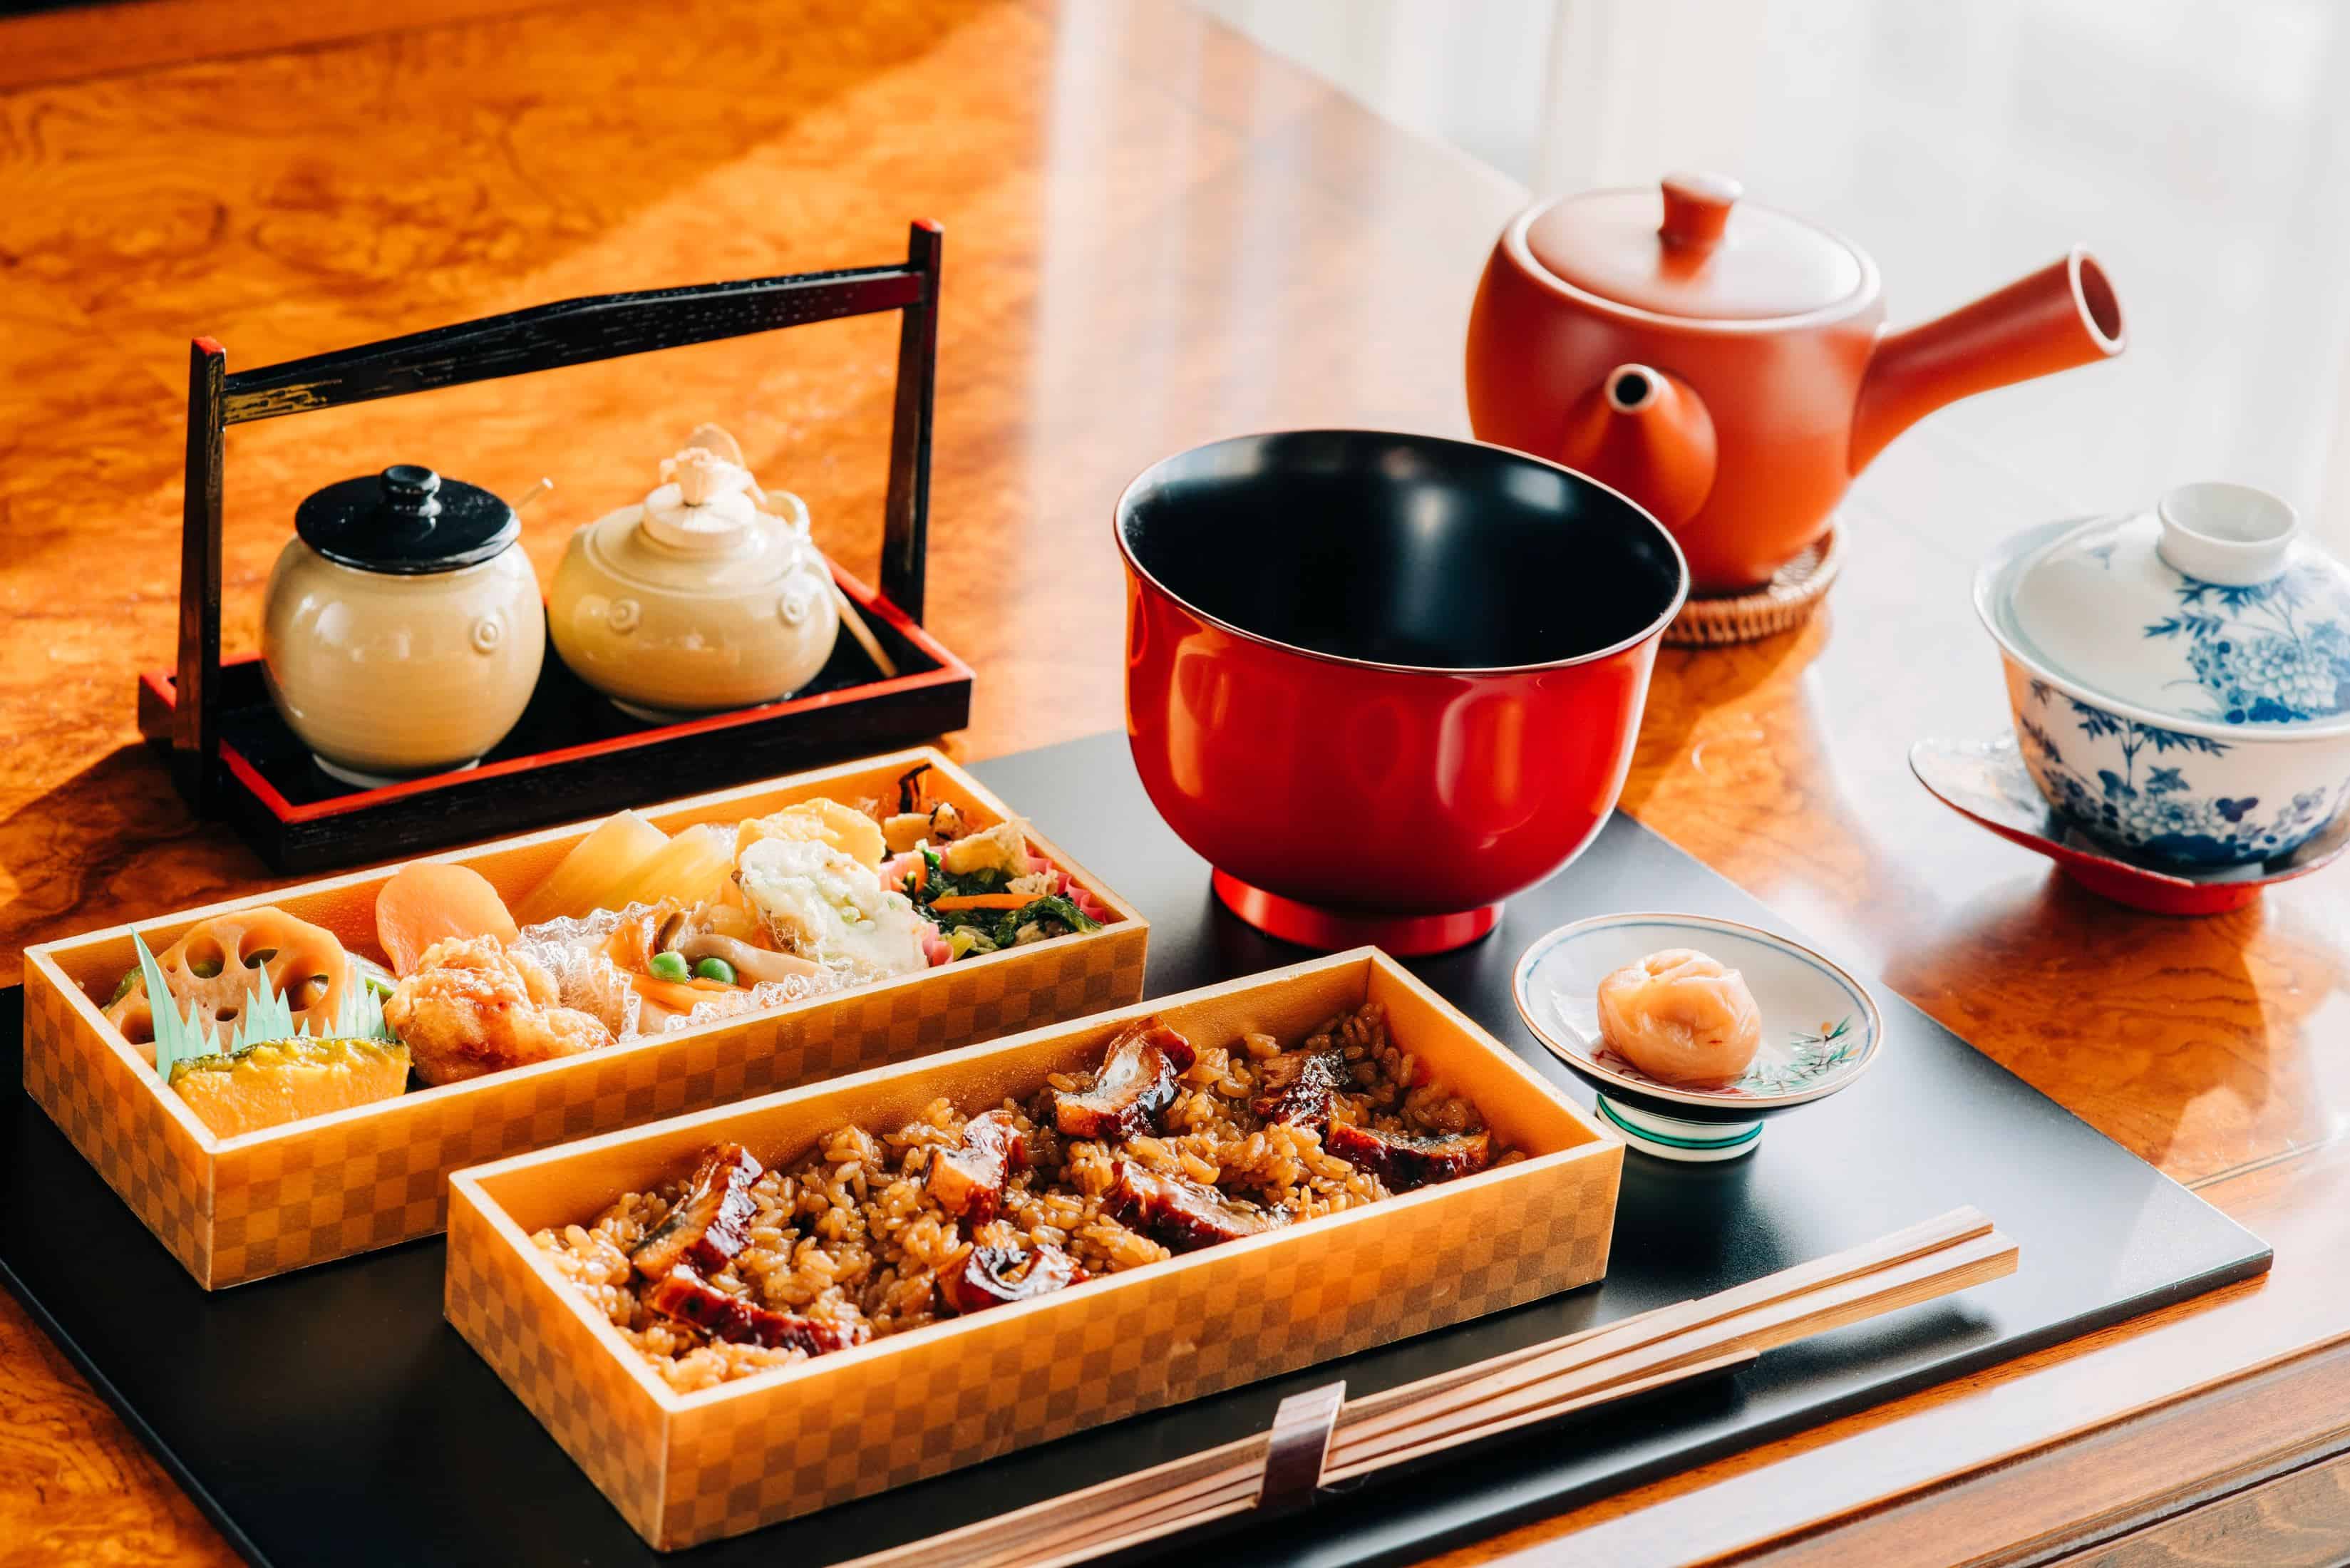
(964, 941)
(1045, 906)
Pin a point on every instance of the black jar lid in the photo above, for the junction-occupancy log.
(406, 521)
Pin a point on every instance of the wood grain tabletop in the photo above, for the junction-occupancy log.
(1157, 233)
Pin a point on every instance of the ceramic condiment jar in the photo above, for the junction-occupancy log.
(402, 632)
(1725, 364)
(2179, 675)
(707, 594)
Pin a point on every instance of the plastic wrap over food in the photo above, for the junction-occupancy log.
(573, 950)
(766, 993)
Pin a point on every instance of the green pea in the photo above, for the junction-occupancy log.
(122, 987)
(716, 968)
(672, 966)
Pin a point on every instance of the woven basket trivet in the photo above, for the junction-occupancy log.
(1783, 604)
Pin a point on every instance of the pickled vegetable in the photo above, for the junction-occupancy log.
(689, 868)
(599, 867)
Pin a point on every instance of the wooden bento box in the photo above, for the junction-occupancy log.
(239, 1209)
(727, 1458)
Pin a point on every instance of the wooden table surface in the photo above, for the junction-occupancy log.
(1156, 235)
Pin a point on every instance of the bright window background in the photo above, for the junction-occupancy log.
(2198, 145)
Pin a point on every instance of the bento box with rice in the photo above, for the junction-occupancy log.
(746, 1315)
(275, 1082)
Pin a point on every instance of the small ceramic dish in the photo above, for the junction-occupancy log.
(1821, 1029)
(1988, 781)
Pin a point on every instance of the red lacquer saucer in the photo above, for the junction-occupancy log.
(1986, 779)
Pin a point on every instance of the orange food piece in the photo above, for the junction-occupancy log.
(953, 901)
(289, 1081)
(432, 900)
(676, 995)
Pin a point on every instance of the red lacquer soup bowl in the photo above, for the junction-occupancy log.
(1384, 681)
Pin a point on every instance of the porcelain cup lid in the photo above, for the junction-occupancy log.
(2209, 609)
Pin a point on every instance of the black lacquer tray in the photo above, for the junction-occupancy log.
(573, 753)
(331, 1415)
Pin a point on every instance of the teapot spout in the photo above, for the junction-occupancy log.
(2062, 315)
(1648, 434)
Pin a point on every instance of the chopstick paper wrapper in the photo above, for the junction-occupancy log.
(1320, 1438)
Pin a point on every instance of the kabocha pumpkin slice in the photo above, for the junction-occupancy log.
(433, 900)
(216, 967)
(286, 1080)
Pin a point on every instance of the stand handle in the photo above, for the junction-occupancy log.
(544, 337)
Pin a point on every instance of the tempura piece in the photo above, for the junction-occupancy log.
(471, 1007)
(823, 905)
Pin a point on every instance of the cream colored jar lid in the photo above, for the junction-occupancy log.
(701, 532)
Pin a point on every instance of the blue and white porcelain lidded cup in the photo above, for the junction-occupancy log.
(2181, 678)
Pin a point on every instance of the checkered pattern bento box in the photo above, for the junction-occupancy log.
(240, 1209)
(685, 1469)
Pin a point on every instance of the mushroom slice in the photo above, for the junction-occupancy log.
(1305, 1103)
(969, 1181)
(710, 1223)
(1182, 1214)
(751, 965)
(1404, 1162)
(1136, 1081)
(991, 1276)
(690, 1298)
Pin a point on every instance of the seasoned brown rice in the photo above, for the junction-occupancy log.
(849, 1234)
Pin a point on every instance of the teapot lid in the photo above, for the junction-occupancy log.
(406, 521)
(1691, 249)
(2208, 610)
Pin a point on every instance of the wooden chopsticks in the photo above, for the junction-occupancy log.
(1503, 1393)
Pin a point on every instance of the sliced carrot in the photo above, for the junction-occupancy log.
(983, 901)
(433, 900)
(676, 995)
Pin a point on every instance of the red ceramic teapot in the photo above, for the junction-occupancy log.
(1726, 365)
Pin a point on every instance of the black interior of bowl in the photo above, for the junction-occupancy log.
(1399, 549)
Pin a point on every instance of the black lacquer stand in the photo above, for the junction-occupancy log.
(232, 757)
